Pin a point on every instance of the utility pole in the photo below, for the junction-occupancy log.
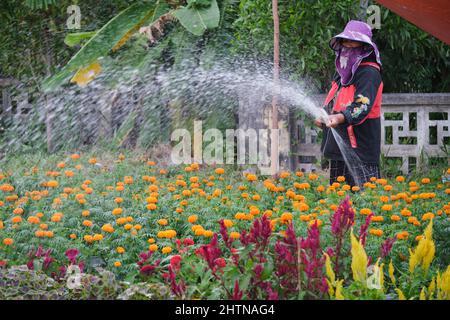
(276, 81)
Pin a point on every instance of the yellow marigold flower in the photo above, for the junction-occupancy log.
(88, 238)
(359, 260)
(166, 250)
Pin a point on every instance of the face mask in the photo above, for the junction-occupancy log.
(348, 60)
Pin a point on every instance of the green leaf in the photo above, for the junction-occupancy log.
(117, 29)
(72, 39)
(197, 20)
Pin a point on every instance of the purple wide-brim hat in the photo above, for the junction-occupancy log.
(356, 31)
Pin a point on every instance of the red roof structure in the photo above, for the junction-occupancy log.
(433, 16)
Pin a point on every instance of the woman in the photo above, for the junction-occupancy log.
(354, 106)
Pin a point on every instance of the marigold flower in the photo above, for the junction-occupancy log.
(117, 264)
(395, 217)
(402, 235)
(235, 235)
(376, 232)
(120, 250)
(166, 250)
(427, 216)
(72, 236)
(97, 237)
(193, 218)
(8, 241)
(117, 211)
(108, 228)
(153, 247)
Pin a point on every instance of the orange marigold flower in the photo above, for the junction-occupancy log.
(386, 207)
(8, 241)
(97, 237)
(18, 211)
(425, 181)
(402, 235)
(219, 171)
(108, 228)
(117, 264)
(208, 233)
(192, 218)
(400, 179)
(163, 222)
(427, 216)
(87, 223)
(72, 236)
(365, 211)
(52, 184)
(117, 211)
(153, 247)
(166, 250)
(16, 219)
(120, 250)
(395, 217)
(376, 232)
(377, 219)
(405, 212)
(235, 235)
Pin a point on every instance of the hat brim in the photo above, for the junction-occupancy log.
(355, 36)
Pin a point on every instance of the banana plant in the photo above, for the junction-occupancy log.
(196, 16)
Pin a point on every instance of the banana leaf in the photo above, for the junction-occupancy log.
(197, 20)
(111, 35)
(72, 39)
